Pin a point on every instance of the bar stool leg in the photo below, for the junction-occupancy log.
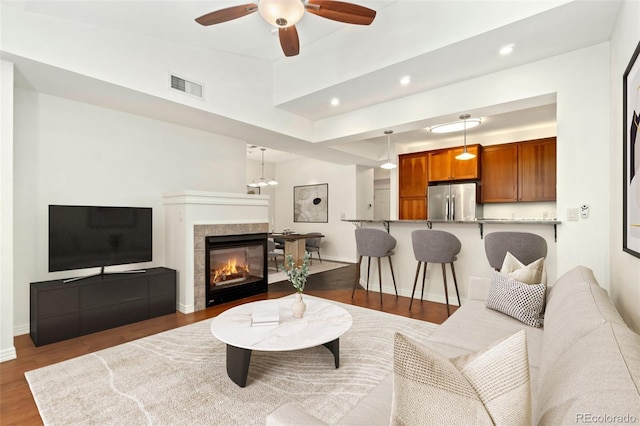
(424, 278)
(393, 276)
(415, 282)
(368, 271)
(446, 292)
(357, 281)
(380, 279)
(455, 282)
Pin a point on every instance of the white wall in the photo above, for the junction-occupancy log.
(7, 350)
(339, 242)
(364, 192)
(625, 269)
(72, 153)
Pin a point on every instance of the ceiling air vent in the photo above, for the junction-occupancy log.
(186, 86)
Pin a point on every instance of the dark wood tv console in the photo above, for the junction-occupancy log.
(61, 311)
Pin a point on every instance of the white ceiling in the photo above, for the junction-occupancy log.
(461, 49)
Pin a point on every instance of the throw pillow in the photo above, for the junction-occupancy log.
(521, 301)
(533, 273)
(488, 387)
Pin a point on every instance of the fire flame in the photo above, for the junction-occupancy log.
(229, 270)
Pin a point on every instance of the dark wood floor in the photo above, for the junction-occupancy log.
(17, 406)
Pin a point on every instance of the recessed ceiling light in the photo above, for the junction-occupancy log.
(506, 49)
(335, 102)
(456, 126)
(405, 80)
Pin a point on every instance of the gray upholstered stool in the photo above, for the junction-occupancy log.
(526, 247)
(431, 246)
(374, 243)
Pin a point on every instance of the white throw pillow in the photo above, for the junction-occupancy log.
(524, 302)
(533, 273)
(487, 387)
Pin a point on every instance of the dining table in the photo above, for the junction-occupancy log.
(294, 244)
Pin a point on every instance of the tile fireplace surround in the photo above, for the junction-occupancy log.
(189, 217)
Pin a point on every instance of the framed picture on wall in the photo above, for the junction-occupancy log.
(631, 156)
(311, 203)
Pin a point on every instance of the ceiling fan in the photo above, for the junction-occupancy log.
(284, 14)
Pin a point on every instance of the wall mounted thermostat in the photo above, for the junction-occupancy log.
(584, 211)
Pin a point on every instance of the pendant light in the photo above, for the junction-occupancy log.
(388, 165)
(465, 154)
(263, 181)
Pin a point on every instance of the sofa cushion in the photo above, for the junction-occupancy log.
(597, 376)
(474, 326)
(521, 301)
(533, 273)
(487, 387)
(576, 306)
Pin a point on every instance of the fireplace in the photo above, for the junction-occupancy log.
(235, 267)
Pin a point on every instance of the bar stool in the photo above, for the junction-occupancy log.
(525, 246)
(431, 246)
(374, 243)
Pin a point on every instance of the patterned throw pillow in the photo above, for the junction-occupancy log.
(521, 301)
(533, 273)
(487, 387)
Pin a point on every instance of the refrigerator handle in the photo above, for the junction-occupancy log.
(453, 207)
(446, 209)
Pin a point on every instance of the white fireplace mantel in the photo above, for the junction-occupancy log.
(184, 210)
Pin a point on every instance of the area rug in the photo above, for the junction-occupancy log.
(179, 377)
(314, 268)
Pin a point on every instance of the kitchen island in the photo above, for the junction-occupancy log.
(471, 261)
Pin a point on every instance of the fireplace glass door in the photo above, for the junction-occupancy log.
(236, 267)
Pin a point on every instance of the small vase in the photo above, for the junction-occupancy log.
(298, 306)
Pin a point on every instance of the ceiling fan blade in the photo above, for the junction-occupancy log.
(289, 41)
(227, 14)
(341, 11)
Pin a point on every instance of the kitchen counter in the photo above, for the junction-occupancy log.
(471, 261)
(480, 222)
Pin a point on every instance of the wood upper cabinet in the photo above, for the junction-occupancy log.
(537, 170)
(522, 171)
(500, 173)
(412, 180)
(413, 208)
(412, 174)
(443, 165)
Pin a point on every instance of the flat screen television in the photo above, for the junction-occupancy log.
(93, 236)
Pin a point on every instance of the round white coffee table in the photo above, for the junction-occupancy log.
(323, 324)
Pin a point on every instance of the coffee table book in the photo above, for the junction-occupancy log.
(265, 316)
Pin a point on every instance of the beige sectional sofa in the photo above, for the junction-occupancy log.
(584, 363)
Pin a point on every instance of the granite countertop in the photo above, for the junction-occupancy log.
(476, 221)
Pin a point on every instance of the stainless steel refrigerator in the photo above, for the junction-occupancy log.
(457, 201)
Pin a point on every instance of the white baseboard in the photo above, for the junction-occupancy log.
(186, 309)
(19, 330)
(8, 354)
(388, 289)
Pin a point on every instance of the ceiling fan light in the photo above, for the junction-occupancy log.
(281, 13)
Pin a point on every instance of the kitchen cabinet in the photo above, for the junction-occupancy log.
(537, 170)
(413, 208)
(412, 176)
(500, 173)
(521, 171)
(443, 166)
(412, 180)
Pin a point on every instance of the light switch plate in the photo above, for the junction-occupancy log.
(572, 214)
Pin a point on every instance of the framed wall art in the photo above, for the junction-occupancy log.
(631, 156)
(311, 203)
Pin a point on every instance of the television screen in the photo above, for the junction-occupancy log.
(91, 236)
